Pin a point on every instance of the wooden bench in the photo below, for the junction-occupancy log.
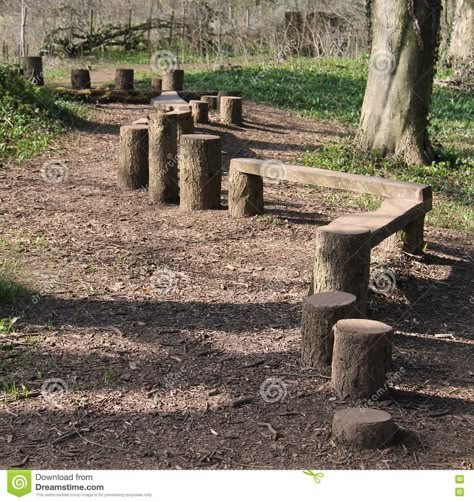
(342, 247)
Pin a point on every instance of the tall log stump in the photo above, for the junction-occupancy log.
(80, 79)
(133, 159)
(156, 84)
(366, 428)
(245, 194)
(222, 94)
(342, 262)
(32, 67)
(124, 79)
(200, 111)
(211, 101)
(231, 110)
(362, 355)
(320, 313)
(163, 167)
(173, 80)
(200, 172)
(409, 240)
(185, 123)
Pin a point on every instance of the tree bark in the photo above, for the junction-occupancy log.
(156, 84)
(211, 101)
(200, 111)
(163, 166)
(461, 49)
(221, 94)
(200, 172)
(245, 194)
(173, 81)
(362, 355)
(133, 159)
(185, 124)
(231, 110)
(124, 79)
(33, 69)
(320, 314)
(394, 117)
(80, 79)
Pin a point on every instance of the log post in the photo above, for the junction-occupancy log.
(124, 79)
(342, 262)
(231, 110)
(200, 172)
(185, 123)
(156, 84)
(173, 80)
(221, 94)
(133, 159)
(245, 194)
(410, 239)
(320, 313)
(163, 178)
(80, 79)
(362, 355)
(211, 101)
(33, 69)
(366, 428)
(200, 111)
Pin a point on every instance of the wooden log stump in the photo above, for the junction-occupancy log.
(320, 313)
(221, 94)
(231, 110)
(173, 80)
(156, 84)
(211, 101)
(124, 79)
(185, 123)
(342, 262)
(80, 79)
(245, 194)
(409, 240)
(32, 67)
(133, 159)
(200, 111)
(362, 355)
(163, 167)
(200, 172)
(365, 428)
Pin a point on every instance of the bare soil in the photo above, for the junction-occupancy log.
(158, 321)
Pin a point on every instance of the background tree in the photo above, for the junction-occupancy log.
(461, 50)
(394, 117)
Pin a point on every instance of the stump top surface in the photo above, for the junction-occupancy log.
(199, 137)
(142, 121)
(363, 327)
(134, 126)
(362, 415)
(330, 299)
(229, 98)
(344, 229)
(197, 101)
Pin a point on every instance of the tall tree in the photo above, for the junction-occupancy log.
(394, 117)
(461, 50)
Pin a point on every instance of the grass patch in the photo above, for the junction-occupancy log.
(10, 288)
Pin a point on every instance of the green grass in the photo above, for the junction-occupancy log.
(6, 325)
(10, 288)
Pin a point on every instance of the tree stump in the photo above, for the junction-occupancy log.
(245, 194)
(33, 69)
(173, 81)
(410, 239)
(320, 313)
(342, 262)
(185, 124)
(221, 94)
(200, 172)
(80, 79)
(211, 101)
(231, 110)
(133, 159)
(200, 111)
(156, 84)
(124, 79)
(362, 355)
(366, 428)
(163, 167)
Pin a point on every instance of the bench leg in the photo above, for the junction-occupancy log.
(410, 239)
(245, 194)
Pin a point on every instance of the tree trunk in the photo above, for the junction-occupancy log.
(33, 69)
(173, 80)
(200, 111)
(163, 166)
(133, 160)
(320, 313)
(211, 101)
(200, 172)
(394, 117)
(80, 79)
(231, 110)
(461, 50)
(124, 79)
(156, 84)
(245, 194)
(221, 94)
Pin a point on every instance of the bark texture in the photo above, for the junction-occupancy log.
(156, 84)
(33, 69)
(200, 172)
(365, 427)
(362, 355)
(211, 101)
(221, 94)
(124, 79)
(394, 117)
(133, 158)
(342, 262)
(461, 50)
(409, 240)
(245, 194)
(231, 110)
(173, 81)
(185, 122)
(320, 313)
(200, 111)
(80, 79)
(163, 166)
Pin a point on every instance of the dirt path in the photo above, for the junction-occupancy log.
(157, 321)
